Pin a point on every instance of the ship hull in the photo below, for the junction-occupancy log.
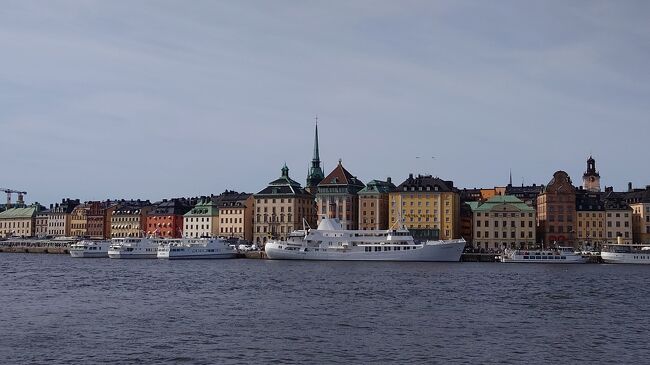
(123, 255)
(442, 252)
(625, 258)
(198, 257)
(91, 255)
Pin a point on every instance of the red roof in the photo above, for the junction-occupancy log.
(340, 176)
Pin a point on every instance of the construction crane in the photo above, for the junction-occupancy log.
(20, 200)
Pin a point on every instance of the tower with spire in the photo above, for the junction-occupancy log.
(315, 175)
(591, 177)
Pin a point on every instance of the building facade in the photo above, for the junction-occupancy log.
(165, 219)
(619, 218)
(503, 221)
(202, 220)
(59, 220)
(428, 206)
(639, 201)
(556, 211)
(337, 197)
(19, 221)
(280, 208)
(96, 220)
(235, 215)
(590, 218)
(41, 223)
(79, 220)
(373, 205)
(129, 219)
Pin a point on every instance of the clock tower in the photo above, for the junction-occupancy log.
(591, 178)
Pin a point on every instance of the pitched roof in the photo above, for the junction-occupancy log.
(171, 207)
(231, 198)
(205, 207)
(378, 187)
(20, 213)
(500, 200)
(283, 186)
(341, 176)
(426, 183)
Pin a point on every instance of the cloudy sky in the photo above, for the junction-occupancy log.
(153, 99)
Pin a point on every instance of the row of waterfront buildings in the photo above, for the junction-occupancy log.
(432, 208)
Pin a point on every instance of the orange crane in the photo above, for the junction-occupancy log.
(20, 200)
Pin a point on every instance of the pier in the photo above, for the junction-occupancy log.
(35, 246)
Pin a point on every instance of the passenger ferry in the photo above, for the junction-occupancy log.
(197, 248)
(87, 248)
(625, 254)
(135, 247)
(563, 255)
(331, 242)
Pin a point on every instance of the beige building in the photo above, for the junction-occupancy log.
(41, 223)
(129, 219)
(202, 220)
(618, 219)
(503, 221)
(428, 206)
(235, 215)
(19, 221)
(59, 220)
(280, 209)
(590, 218)
(373, 205)
(639, 201)
(79, 220)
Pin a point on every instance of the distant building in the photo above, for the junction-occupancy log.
(280, 208)
(428, 206)
(41, 223)
(59, 220)
(373, 205)
(556, 210)
(129, 218)
(337, 197)
(96, 219)
(503, 221)
(619, 218)
(19, 221)
(235, 215)
(165, 219)
(202, 220)
(528, 194)
(79, 220)
(639, 201)
(315, 175)
(591, 177)
(590, 218)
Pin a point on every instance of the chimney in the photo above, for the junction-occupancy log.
(629, 186)
(410, 176)
(389, 180)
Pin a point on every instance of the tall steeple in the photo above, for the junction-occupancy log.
(510, 184)
(591, 177)
(315, 175)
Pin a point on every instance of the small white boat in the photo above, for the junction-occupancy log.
(87, 248)
(625, 254)
(331, 242)
(134, 248)
(197, 248)
(563, 255)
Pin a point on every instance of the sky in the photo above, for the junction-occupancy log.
(159, 99)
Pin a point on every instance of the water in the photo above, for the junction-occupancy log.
(55, 309)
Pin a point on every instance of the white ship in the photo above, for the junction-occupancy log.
(625, 254)
(331, 242)
(135, 247)
(86, 248)
(197, 248)
(563, 255)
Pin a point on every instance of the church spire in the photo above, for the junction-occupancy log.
(315, 175)
(510, 177)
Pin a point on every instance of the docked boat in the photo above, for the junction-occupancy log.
(625, 254)
(331, 242)
(561, 255)
(197, 248)
(134, 248)
(87, 248)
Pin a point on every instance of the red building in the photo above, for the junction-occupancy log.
(166, 218)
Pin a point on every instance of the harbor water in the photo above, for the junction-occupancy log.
(59, 310)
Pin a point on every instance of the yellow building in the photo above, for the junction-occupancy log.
(79, 220)
(590, 219)
(639, 201)
(503, 221)
(428, 206)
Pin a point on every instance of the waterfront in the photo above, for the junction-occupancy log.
(56, 309)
